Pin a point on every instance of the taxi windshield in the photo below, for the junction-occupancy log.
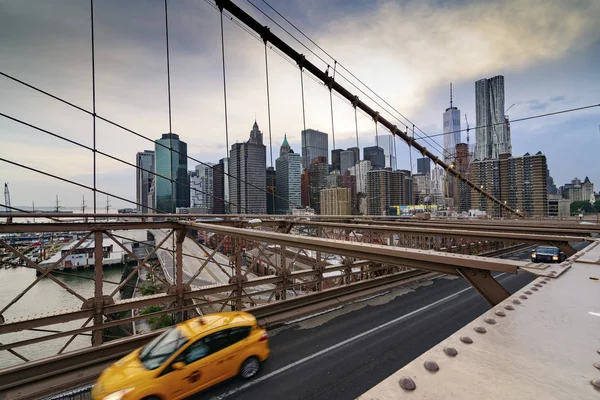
(547, 250)
(160, 349)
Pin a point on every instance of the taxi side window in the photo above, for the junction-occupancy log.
(195, 352)
(238, 334)
(213, 343)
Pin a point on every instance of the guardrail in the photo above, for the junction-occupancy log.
(52, 375)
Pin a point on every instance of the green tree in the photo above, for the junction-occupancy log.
(597, 206)
(582, 206)
(158, 322)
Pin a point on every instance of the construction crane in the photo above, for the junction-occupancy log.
(509, 108)
(7, 198)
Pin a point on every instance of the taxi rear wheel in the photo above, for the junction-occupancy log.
(249, 367)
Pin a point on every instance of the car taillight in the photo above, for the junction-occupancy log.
(263, 337)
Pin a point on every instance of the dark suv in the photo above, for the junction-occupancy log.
(548, 254)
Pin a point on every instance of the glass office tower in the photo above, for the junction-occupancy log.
(172, 182)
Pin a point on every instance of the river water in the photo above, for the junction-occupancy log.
(46, 297)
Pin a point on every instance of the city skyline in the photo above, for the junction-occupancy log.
(131, 83)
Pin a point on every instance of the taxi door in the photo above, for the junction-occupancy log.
(204, 362)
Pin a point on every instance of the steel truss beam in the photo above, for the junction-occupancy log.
(485, 284)
(454, 233)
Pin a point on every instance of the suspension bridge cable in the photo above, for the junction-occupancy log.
(523, 119)
(331, 106)
(347, 80)
(115, 124)
(169, 104)
(224, 85)
(269, 118)
(93, 95)
(104, 154)
(357, 166)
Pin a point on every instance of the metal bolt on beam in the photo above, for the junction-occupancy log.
(509, 307)
(450, 351)
(529, 292)
(431, 366)
(407, 383)
(490, 321)
(596, 383)
(500, 313)
(466, 339)
(517, 301)
(480, 329)
(523, 297)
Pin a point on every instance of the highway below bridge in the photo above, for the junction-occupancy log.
(343, 353)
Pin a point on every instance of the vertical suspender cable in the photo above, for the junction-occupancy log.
(226, 203)
(93, 95)
(172, 174)
(269, 117)
(224, 85)
(302, 88)
(332, 127)
(358, 175)
(170, 120)
(395, 154)
(304, 121)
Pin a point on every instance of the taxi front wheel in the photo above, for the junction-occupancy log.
(249, 367)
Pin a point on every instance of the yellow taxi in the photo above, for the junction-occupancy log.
(187, 358)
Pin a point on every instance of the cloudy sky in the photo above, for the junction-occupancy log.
(406, 51)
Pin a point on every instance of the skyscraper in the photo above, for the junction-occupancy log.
(314, 144)
(202, 189)
(386, 188)
(171, 165)
(317, 181)
(451, 130)
(336, 201)
(375, 155)
(336, 159)
(356, 151)
(144, 176)
(220, 187)
(424, 165)
(347, 160)
(248, 175)
(491, 137)
(288, 169)
(271, 189)
(386, 142)
(520, 182)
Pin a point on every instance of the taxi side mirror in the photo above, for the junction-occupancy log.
(178, 365)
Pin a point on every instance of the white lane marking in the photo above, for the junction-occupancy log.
(335, 346)
(314, 315)
(595, 314)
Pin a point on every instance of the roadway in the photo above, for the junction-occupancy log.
(344, 353)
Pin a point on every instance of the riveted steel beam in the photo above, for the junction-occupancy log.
(485, 284)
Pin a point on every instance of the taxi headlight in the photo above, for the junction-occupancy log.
(118, 395)
(533, 255)
(555, 258)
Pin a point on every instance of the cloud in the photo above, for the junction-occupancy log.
(536, 105)
(404, 51)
